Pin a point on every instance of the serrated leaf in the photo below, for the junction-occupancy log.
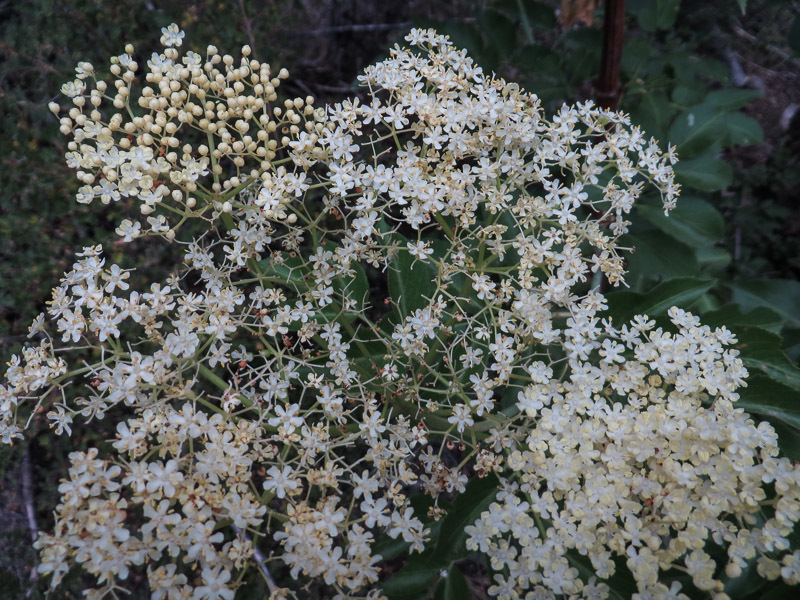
(453, 587)
(694, 221)
(706, 173)
(731, 99)
(466, 509)
(767, 398)
(697, 129)
(781, 295)
(623, 306)
(743, 130)
(761, 349)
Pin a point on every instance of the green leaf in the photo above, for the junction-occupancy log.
(654, 14)
(464, 35)
(732, 315)
(743, 130)
(761, 349)
(291, 271)
(769, 399)
(355, 285)
(697, 128)
(712, 259)
(746, 584)
(791, 342)
(329, 314)
(581, 58)
(709, 68)
(537, 58)
(416, 578)
(410, 280)
(390, 548)
(731, 99)
(453, 587)
(781, 295)
(694, 221)
(620, 586)
(656, 254)
(689, 93)
(653, 113)
(540, 16)
(466, 509)
(623, 306)
(635, 53)
(501, 31)
(788, 441)
(706, 173)
(742, 5)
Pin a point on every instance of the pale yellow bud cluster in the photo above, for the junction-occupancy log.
(199, 129)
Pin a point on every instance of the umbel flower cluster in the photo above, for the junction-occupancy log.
(377, 301)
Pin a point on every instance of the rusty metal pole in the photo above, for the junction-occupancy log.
(608, 84)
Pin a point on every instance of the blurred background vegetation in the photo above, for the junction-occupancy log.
(718, 78)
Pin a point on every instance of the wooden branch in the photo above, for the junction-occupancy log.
(608, 84)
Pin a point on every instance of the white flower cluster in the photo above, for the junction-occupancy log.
(376, 301)
(645, 459)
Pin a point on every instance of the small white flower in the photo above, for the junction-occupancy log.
(420, 250)
(171, 35)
